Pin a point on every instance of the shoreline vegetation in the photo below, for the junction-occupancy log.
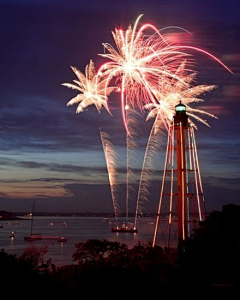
(207, 266)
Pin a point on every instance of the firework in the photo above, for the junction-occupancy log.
(91, 89)
(138, 62)
(170, 93)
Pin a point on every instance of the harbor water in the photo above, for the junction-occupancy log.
(75, 229)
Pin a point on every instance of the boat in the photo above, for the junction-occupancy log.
(55, 237)
(124, 229)
(33, 237)
(12, 235)
(62, 239)
(50, 237)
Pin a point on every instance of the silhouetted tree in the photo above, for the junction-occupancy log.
(19, 277)
(34, 256)
(95, 250)
(214, 248)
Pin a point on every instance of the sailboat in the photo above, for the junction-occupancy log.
(32, 237)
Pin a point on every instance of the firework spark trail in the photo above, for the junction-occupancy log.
(92, 90)
(110, 157)
(131, 142)
(153, 146)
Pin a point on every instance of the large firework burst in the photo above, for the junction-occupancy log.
(137, 63)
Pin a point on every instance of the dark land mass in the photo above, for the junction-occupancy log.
(8, 216)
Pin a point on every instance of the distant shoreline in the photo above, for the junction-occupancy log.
(81, 214)
(4, 215)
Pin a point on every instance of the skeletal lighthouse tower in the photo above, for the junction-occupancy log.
(181, 204)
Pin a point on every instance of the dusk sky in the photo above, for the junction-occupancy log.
(51, 154)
